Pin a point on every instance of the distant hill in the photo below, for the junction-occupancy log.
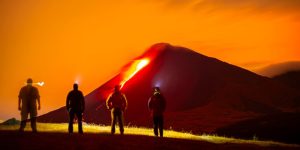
(202, 93)
(291, 78)
(278, 69)
(12, 121)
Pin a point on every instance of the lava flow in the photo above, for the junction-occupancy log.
(136, 66)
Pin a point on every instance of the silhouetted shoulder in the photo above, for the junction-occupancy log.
(23, 88)
(35, 88)
(70, 94)
(23, 91)
(80, 92)
(36, 92)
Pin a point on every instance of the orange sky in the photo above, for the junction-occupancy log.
(58, 41)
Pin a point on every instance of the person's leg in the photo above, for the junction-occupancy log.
(79, 117)
(24, 116)
(22, 125)
(161, 126)
(155, 125)
(113, 121)
(71, 118)
(33, 124)
(120, 120)
(33, 115)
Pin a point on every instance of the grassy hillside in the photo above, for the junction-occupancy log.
(134, 131)
(283, 127)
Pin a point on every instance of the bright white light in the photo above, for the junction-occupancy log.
(157, 84)
(76, 82)
(40, 83)
(77, 79)
(37, 83)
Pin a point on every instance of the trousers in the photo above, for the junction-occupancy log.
(71, 119)
(117, 115)
(158, 124)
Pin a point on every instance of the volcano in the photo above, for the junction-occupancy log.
(202, 93)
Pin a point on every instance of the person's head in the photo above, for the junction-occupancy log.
(29, 81)
(156, 89)
(117, 88)
(75, 86)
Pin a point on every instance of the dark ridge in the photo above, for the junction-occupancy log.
(291, 79)
(282, 127)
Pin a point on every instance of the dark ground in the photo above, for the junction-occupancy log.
(12, 140)
(283, 127)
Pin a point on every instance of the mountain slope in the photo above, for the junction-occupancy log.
(291, 78)
(195, 87)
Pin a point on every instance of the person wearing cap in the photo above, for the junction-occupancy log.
(157, 106)
(27, 104)
(117, 103)
(75, 105)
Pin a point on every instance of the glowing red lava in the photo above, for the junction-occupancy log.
(136, 66)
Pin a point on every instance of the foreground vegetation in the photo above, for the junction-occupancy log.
(94, 129)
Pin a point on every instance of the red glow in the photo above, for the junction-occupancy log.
(136, 66)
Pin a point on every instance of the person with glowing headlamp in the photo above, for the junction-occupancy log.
(117, 103)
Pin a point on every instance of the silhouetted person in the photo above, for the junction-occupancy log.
(117, 103)
(28, 97)
(157, 106)
(75, 105)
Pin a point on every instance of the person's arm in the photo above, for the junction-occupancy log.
(19, 101)
(38, 99)
(39, 103)
(68, 102)
(108, 101)
(150, 103)
(19, 104)
(83, 103)
(125, 102)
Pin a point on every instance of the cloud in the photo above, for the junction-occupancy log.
(262, 5)
(289, 6)
(254, 64)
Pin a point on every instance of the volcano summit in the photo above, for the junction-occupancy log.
(202, 93)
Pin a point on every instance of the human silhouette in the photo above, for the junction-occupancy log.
(117, 103)
(28, 97)
(157, 106)
(75, 105)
